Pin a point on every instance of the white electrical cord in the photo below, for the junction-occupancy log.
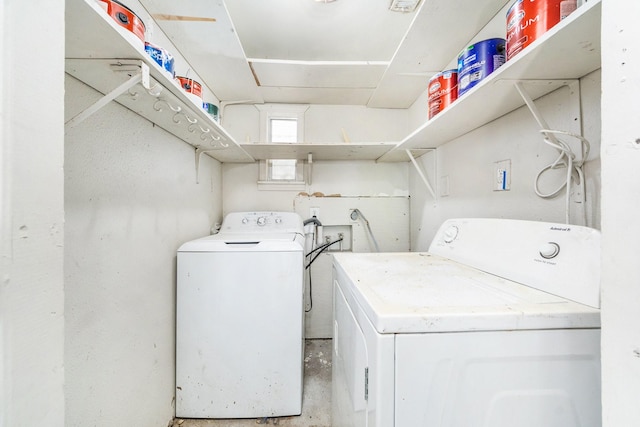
(565, 159)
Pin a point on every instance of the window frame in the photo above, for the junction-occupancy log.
(269, 112)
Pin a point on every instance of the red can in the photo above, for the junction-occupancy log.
(527, 20)
(443, 90)
(125, 17)
(190, 86)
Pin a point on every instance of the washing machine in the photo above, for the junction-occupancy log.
(496, 325)
(240, 319)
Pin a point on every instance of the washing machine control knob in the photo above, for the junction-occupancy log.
(245, 220)
(262, 220)
(278, 220)
(450, 234)
(549, 250)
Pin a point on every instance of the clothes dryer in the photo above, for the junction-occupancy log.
(497, 325)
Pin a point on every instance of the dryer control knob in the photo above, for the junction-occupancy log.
(549, 250)
(245, 220)
(450, 234)
(278, 220)
(262, 220)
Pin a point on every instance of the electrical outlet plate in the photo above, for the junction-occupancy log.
(314, 211)
(502, 175)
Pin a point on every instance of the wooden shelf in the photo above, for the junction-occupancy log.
(320, 151)
(568, 51)
(103, 55)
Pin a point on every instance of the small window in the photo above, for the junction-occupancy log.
(283, 130)
(282, 124)
(282, 169)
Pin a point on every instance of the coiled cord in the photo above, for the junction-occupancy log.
(567, 160)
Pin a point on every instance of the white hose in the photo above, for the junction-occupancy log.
(366, 222)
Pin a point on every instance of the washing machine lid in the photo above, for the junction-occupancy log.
(422, 292)
(238, 242)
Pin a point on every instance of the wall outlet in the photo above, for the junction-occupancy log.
(502, 175)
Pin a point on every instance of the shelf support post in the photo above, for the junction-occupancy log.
(79, 118)
(309, 167)
(422, 175)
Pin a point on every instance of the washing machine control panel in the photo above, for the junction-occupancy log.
(240, 222)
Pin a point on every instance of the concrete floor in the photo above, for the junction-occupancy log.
(316, 401)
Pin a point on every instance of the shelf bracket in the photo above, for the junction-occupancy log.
(79, 118)
(419, 170)
(199, 152)
(574, 98)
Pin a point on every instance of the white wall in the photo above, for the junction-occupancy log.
(620, 227)
(346, 178)
(131, 199)
(468, 164)
(324, 123)
(31, 204)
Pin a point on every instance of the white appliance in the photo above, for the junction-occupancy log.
(496, 325)
(239, 319)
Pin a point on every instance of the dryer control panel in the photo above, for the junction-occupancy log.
(561, 259)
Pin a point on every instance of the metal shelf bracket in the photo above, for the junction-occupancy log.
(574, 105)
(420, 173)
(199, 152)
(141, 76)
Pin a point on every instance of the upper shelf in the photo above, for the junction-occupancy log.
(103, 55)
(96, 47)
(566, 52)
(320, 151)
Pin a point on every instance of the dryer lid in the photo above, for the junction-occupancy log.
(422, 292)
